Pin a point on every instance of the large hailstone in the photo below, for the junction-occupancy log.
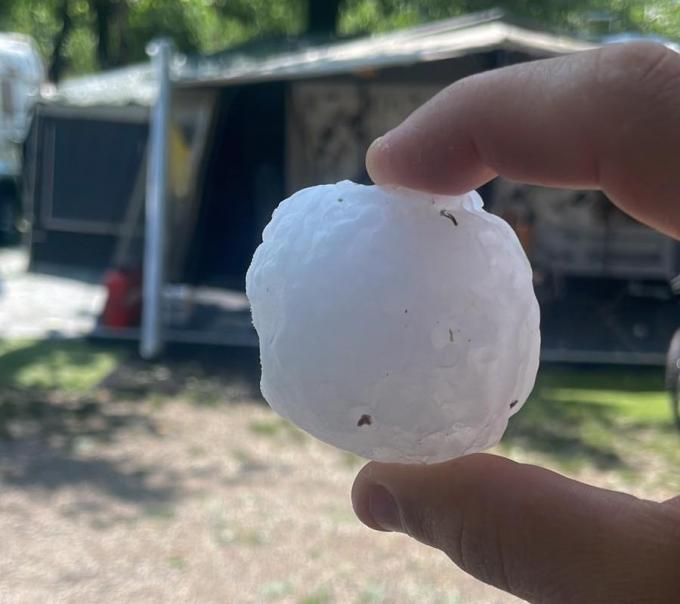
(395, 324)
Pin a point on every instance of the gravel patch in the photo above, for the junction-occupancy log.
(36, 305)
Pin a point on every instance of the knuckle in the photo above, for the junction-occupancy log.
(468, 537)
(639, 84)
(635, 67)
(423, 524)
(484, 557)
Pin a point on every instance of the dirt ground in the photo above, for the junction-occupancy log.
(178, 501)
(160, 486)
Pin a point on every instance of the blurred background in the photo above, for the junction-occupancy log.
(138, 461)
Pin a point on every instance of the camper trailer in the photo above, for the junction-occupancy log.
(21, 77)
(247, 128)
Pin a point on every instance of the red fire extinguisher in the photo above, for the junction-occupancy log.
(123, 298)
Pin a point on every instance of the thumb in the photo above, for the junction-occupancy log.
(529, 531)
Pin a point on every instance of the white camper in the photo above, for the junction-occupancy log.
(21, 76)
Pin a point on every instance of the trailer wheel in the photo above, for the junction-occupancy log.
(673, 376)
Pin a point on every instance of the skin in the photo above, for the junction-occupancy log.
(606, 119)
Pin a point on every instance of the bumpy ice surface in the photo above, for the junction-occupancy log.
(395, 324)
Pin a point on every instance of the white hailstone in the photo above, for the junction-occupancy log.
(397, 325)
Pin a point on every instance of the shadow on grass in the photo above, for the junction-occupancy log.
(70, 365)
(558, 429)
(582, 415)
(599, 377)
(203, 375)
(62, 403)
(75, 365)
(55, 423)
(51, 441)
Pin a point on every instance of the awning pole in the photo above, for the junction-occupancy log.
(151, 343)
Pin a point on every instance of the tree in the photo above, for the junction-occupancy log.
(57, 64)
(658, 16)
(60, 28)
(322, 16)
(102, 10)
(77, 36)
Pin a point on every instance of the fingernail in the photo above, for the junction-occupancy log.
(384, 508)
(373, 163)
(375, 144)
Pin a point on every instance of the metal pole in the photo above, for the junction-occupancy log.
(151, 343)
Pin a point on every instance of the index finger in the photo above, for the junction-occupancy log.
(606, 119)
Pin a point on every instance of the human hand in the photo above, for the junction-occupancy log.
(607, 119)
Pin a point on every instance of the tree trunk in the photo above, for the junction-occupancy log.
(57, 62)
(102, 10)
(121, 34)
(322, 16)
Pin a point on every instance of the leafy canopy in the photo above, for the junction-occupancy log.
(77, 36)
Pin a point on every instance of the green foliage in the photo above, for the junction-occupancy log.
(660, 17)
(212, 25)
(80, 51)
(194, 25)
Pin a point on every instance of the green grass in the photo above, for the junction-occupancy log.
(160, 512)
(595, 416)
(227, 532)
(577, 417)
(275, 590)
(177, 562)
(65, 365)
(277, 428)
(631, 393)
(320, 596)
(351, 460)
(372, 593)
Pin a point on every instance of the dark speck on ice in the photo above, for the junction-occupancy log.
(365, 420)
(451, 217)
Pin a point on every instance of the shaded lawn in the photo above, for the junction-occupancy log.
(67, 365)
(48, 388)
(582, 411)
(64, 390)
(102, 448)
(577, 417)
(616, 420)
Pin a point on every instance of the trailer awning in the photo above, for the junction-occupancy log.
(437, 41)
